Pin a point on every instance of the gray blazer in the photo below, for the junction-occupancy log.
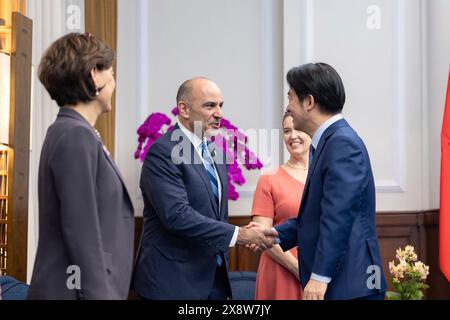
(86, 218)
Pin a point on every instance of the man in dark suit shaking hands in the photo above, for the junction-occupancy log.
(335, 231)
(183, 250)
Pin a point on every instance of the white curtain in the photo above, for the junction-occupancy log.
(51, 20)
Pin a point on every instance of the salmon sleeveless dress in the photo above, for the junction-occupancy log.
(277, 196)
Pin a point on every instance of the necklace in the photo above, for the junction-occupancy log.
(98, 133)
(100, 137)
(296, 167)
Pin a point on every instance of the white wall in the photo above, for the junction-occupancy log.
(131, 91)
(51, 20)
(393, 58)
(162, 43)
(381, 69)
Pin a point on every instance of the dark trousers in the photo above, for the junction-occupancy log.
(219, 290)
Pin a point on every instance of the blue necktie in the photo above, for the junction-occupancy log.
(209, 166)
(311, 155)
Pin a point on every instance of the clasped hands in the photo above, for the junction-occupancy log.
(257, 237)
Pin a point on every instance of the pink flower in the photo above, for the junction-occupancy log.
(149, 131)
(231, 144)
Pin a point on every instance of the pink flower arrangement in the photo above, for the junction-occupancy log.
(233, 144)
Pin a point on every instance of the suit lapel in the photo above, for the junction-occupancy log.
(222, 170)
(67, 112)
(323, 140)
(195, 161)
(116, 169)
(201, 170)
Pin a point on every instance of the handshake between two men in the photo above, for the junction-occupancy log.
(257, 237)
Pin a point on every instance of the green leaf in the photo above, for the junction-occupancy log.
(423, 286)
(396, 285)
(416, 295)
(391, 295)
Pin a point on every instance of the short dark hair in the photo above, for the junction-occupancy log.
(185, 91)
(322, 82)
(66, 66)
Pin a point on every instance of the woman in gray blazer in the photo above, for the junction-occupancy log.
(86, 220)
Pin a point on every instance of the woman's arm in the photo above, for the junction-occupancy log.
(286, 259)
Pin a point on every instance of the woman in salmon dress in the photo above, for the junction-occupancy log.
(277, 199)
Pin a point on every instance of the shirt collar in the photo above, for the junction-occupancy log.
(196, 141)
(319, 132)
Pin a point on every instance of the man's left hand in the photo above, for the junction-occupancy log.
(315, 290)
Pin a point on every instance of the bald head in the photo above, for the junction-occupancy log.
(186, 90)
(200, 100)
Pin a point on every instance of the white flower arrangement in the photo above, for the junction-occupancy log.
(408, 276)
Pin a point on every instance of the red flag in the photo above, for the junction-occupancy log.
(444, 212)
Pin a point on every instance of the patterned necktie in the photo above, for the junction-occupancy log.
(311, 155)
(209, 166)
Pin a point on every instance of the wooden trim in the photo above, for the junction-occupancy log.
(19, 154)
(9, 6)
(240, 220)
(431, 218)
(101, 21)
(395, 229)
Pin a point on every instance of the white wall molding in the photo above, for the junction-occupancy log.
(425, 170)
(400, 103)
(300, 47)
(132, 89)
(271, 90)
(395, 77)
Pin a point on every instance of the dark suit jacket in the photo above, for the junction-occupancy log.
(335, 230)
(183, 226)
(85, 216)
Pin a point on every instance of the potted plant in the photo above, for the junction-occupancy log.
(408, 276)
